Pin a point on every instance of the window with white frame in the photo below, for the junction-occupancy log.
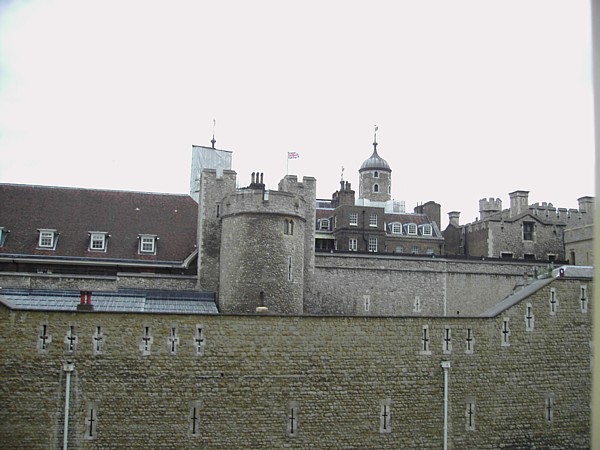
(98, 241)
(411, 228)
(47, 239)
(373, 244)
(373, 220)
(353, 218)
(324, 224)
(353, 245)
(148, 243)
(397, 228)
(427, 230)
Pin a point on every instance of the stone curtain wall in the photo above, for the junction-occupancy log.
(97, 283)
(301, 382)
(469, 287)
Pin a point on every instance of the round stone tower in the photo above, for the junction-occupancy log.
(262, 251)
(375, 178)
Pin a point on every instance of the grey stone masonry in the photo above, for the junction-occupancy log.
(269, 381)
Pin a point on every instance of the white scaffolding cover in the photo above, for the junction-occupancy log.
(207, 158)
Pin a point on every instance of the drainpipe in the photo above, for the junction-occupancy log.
(68, 367)
(445, 365)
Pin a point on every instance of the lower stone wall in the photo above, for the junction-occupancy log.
(301, 382)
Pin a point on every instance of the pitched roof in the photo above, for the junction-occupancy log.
(74, 212)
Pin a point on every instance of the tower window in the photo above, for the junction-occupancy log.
(288, 226)
(376, 174)
(375, 187)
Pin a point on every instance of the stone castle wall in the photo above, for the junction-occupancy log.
(97, 283)
(302, 382)
(393, 284)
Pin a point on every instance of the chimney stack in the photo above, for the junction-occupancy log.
(519, 202)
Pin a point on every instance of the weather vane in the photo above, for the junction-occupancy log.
(213, 141)
(375, 137)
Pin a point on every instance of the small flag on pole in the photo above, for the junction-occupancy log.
(293, 155)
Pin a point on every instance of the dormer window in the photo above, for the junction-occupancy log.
(98, 241)
(148, 243)
(411, 228)
(396, 228)
(47, 239)
(324, 224)
(426, 230)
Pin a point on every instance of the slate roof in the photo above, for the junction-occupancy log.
(125, 300)
(375, 162)
(74, 212)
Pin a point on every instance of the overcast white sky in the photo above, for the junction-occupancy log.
(473, 98)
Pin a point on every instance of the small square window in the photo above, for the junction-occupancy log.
(98, 241)
(415, 250)
(47, 239)
(324, 224)
(148, 244)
